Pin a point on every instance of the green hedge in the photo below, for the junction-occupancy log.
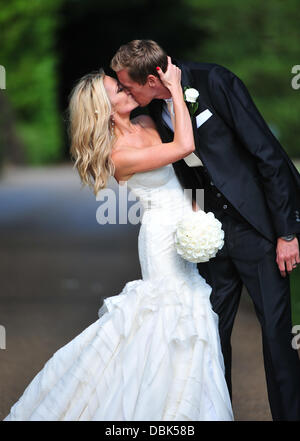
(29, 56)
(259, 41)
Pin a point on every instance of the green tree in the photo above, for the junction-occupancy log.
(29, 56)
(259, 41)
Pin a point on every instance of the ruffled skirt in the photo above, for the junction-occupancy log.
(153, 355)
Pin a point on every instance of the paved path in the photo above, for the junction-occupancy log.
(57, 262)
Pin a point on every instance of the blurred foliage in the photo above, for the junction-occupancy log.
(29, 56)
(258, 41)
(47, 45)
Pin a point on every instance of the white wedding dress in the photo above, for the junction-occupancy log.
(154, 353)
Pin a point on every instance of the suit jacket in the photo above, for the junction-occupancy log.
(244, 159)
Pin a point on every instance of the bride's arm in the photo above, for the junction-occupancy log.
(133, 160)
(183, 130)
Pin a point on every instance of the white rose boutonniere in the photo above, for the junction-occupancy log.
(190, 96)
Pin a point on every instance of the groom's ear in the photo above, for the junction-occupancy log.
(153, 80)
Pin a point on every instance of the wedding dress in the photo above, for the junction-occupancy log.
(154, 353)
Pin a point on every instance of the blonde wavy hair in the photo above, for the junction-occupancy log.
(90, 131)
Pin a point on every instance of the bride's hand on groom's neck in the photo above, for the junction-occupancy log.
(171, 79)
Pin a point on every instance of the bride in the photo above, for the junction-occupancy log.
(154, 353)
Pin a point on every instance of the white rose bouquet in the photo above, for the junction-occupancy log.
(199, 236)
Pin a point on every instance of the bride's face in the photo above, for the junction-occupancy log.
(122, 101)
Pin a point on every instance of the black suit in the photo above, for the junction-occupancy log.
(254, 189)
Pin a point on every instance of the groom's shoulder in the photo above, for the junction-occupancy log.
(204, 70)
(200, 66)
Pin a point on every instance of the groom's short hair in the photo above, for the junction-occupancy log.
(140, 57)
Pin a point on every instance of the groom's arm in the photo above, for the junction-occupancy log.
(233, 103)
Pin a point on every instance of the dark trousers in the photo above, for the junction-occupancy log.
(250, 259)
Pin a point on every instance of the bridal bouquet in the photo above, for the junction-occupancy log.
(199, 236)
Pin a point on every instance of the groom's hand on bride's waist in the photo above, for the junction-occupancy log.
(287, 255)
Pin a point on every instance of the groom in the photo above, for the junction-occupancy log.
(251, 186)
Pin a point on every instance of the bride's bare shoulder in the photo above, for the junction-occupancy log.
(144, 120)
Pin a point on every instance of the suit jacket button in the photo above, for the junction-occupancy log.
(219, 195)
(211, 183)
(225, 206)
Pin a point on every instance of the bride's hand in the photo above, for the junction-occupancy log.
(172, 77)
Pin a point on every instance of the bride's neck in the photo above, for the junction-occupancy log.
(123, 126)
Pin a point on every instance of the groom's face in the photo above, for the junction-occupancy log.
(142, 93)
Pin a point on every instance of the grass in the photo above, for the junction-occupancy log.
(295, 295)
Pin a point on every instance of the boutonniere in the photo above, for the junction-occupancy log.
(190, 96)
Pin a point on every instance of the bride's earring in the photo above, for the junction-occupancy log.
(112, 122)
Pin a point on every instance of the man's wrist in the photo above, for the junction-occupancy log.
(288, 237)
